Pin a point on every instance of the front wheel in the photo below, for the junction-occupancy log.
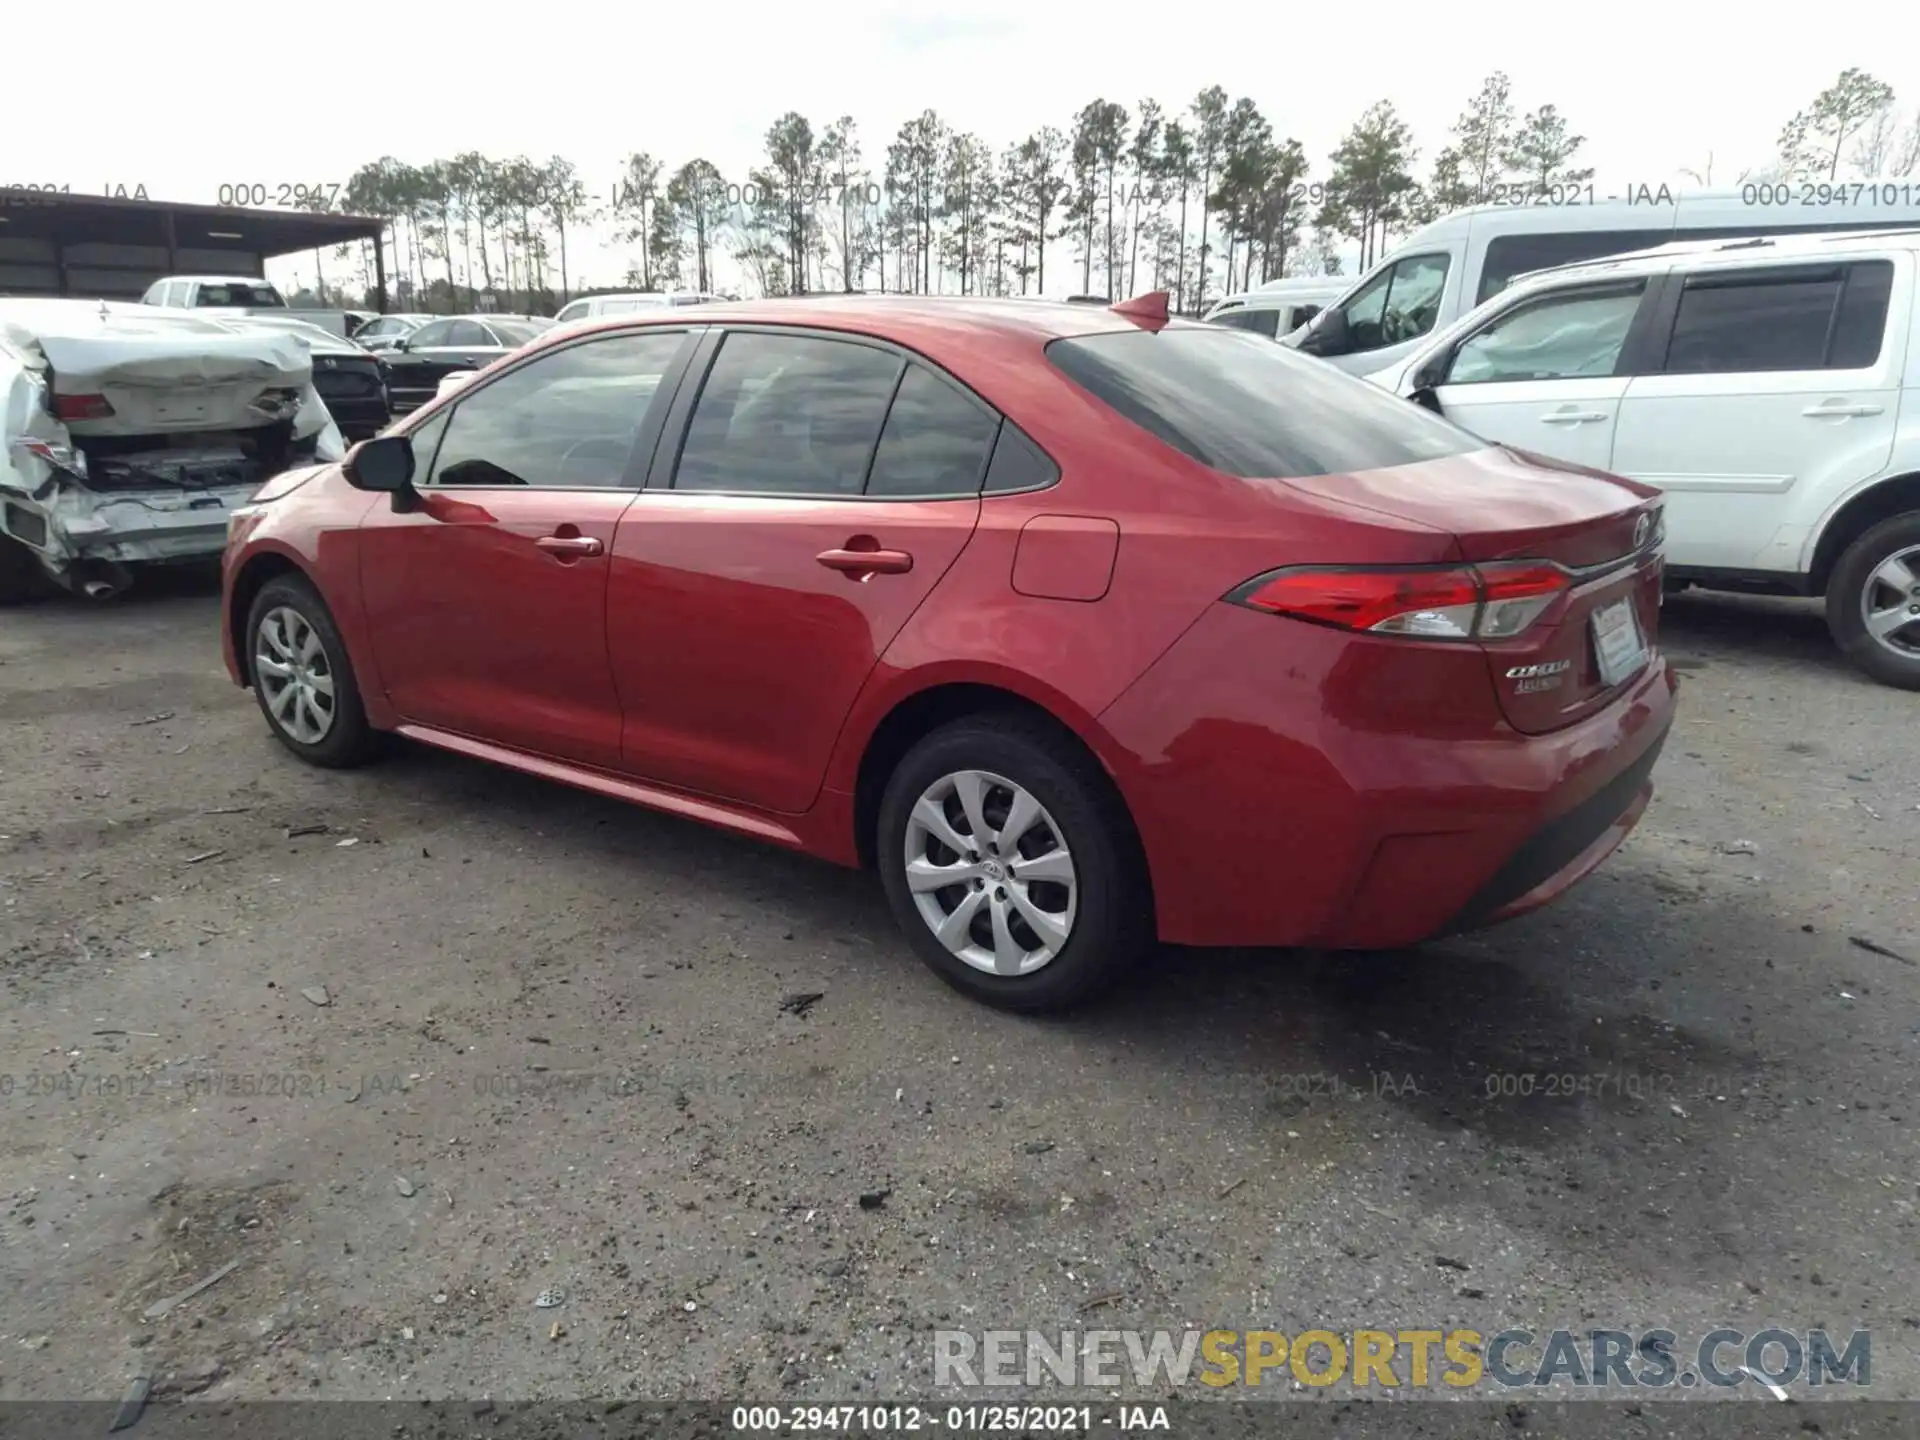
(303, 677)
(1873, 602)
(1009, 863)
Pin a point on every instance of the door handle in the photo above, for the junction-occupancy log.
(569, 546)
(1838, 408)
(862, 563)
(1574, 417)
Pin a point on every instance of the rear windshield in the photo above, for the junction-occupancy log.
(249, 295)
(1248, 407)
(515, 332)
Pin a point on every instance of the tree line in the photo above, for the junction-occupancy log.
(1200, 200)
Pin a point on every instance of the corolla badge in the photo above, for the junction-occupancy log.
(1531, 679)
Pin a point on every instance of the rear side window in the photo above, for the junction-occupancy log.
(239, 295)
(1260, 322)
(1512, 255)
(787, 415)
(1248, 408)
(1758, 321)
(1862, 321)
(466, 332)
(936, 441)
(1018, 464)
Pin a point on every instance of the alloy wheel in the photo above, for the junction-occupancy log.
(292, 669)
(990, 873)
(1890, 603)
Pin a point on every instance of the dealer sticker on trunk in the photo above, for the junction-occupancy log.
(1617, 643)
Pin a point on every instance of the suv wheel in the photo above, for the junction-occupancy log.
(1008, 862)
(1873, 602)
(303, 678)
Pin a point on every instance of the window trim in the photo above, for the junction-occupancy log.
(1640, 285)
(646, 438)
(663, 474)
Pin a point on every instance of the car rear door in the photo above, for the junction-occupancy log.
(487, 599)
(1548, 373)
(810, 492)
(1768, 377)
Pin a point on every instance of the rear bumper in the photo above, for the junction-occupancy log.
(1566, 849)
(1317, 788)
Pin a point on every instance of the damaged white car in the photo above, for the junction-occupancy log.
(127, 435)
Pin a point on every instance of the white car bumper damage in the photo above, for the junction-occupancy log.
(127, 440)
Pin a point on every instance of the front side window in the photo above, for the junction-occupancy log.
(935, 443)
(1401, 303)
(1753, 321)
(787, 415)
(571, 312)
(1249, 408)
(1556, 337)
(566, 421)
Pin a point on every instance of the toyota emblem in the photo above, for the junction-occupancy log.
(1642, 528)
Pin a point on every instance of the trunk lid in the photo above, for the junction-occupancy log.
(1508, 505)
(172, 382)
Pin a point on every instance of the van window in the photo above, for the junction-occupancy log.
(1248, 408)
(1260, 322)
(239, 294)
(1512, 255)
(1570, 335)
(1301, 314)
(1755, 321)
(1401, 303)
(571, 312)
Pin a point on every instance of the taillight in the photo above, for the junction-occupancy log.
(1467, 602)
(82, 407)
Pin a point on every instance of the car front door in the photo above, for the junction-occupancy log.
(487, 598)
(1772, 377)
(823, 487)
(1546, 374)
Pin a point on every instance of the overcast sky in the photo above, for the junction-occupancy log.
(240, 94)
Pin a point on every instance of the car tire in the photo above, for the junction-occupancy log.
(284, 614)
(996, 762)
(1853, 589)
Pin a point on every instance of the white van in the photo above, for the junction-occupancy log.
(1769, 386)
(1279, 307)
(591, 307)
(1447, 268)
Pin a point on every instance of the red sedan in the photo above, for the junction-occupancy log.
(1081, 626)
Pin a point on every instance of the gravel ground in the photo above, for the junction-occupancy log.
(560, 1049)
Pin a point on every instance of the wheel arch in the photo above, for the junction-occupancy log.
(912, 715)
(252, 577)
(1880, 501)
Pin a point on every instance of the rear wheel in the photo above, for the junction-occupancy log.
(303, 678)
(1873, 602)
(1009, 863)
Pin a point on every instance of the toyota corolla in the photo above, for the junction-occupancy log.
(1084, 627)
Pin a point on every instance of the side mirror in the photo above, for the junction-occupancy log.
(1327, 334)
(1424, 396)
(1429, 375)
(383, 464)
(399, 342)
